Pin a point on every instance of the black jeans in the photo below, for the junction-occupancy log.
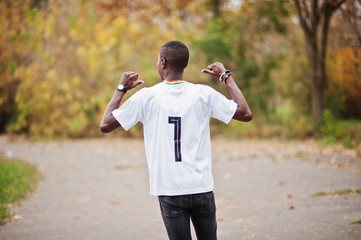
(178, 210)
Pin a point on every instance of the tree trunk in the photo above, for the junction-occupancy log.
(311, 16)
(317, 91)
(317, 81)
(216, 8)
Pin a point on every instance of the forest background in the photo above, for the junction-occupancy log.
(60, 62)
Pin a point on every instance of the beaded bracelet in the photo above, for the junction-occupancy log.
(227, 74)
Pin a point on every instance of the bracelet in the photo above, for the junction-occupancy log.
(227, 74)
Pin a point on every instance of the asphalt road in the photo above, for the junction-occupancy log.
(98, 189)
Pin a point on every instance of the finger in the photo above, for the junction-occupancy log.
(207, 71)
(126, 75)
(210, 71)
(133, 84)
(212, 66)
(129, 73)
(133, 76)
(138, 82)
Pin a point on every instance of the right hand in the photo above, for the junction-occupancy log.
(130, 80)
(215, 69)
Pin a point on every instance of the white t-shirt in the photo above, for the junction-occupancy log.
(176, 133)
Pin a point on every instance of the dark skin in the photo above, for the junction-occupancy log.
(130, 80)
(243, 112)
(109, 123)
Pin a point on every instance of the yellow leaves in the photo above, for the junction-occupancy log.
(105, 36)
(78, 124)
(51, 74)
(49, 26)
(81, 51)
(102, 34)
(174, 21)
(125, 50)
(76, 81)
(62, 40)
(120, 22)
(92, 58)
(109, 44)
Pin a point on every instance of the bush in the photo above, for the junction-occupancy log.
(334, 130)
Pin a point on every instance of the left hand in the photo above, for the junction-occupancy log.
(130, 80)
(215, 69)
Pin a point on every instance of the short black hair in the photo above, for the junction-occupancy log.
(176, 54)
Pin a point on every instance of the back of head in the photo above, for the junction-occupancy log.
(176, 54)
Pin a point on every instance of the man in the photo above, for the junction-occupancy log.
(176, 115)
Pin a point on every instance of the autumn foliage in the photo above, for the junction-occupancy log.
(346, 73)
(60, 61)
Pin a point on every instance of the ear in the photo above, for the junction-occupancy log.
(163, 62)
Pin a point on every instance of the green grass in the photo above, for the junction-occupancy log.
(356, 222)
(17, 180)
(4, 214)
(342, 131)
(338, 192)
(319, 194)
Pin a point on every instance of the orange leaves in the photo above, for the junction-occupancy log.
(347, 72)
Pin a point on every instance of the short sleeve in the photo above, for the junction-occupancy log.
(222, 108)
(131, 111)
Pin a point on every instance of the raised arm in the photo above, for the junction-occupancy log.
(129, 80)
(243, 112)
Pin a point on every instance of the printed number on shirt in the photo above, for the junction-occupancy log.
(177, 137)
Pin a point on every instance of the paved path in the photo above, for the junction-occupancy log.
(98, 189)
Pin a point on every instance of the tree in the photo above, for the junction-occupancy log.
(346, 72)
(241, 38)
(314, 17)
(352, 13)
(12, 54)
(342, 94)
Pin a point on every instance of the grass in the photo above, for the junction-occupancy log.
(338, 192)
(17, 180)
(4, 214)
(346, 132)
(356, 222)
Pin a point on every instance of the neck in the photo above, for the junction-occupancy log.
(173, 76)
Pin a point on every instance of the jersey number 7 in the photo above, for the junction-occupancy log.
(177, 137)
